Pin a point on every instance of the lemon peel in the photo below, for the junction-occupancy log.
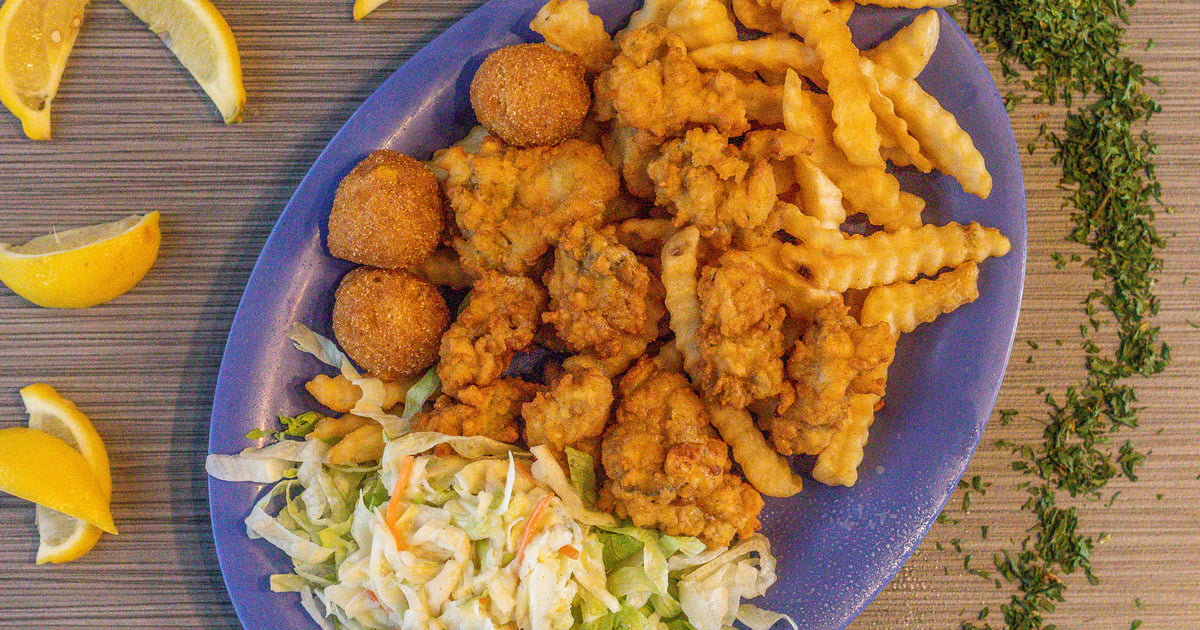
(41, 468)
(201, 39)
(63, 538)
(363, 7)
(36, 38)
(85, 266)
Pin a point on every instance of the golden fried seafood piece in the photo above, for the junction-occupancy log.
(573, 411)
(631, 150)
(665, 466)
(502, 314)
(834, 360)
(389, 322)
(510, 205)
(741, 332)
(704, 180)
(490, 411)
(603, 300)
(387, 212)
(531, 95)
(654, 85)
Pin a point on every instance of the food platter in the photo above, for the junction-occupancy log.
(837, 547)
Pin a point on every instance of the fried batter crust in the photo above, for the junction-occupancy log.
(491, 411)
(502, 314)
(573, 411)
(665, 466)
(835, 359)
(511, 205)
(653, 85)
(702, 179)
(603, 300)
(741, 332)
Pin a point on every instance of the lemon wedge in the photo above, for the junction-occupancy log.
(363, 7)
(64, 538)
(41, 468)
(82, 267)
(203, 42)
(36, 37)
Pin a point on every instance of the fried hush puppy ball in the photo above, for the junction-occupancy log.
(387, 212)
(531, 95)
(389, 322)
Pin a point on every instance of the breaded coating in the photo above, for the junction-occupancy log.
(491, 411)
(573, 411)
(630, 150)
(665, 465)
(387, 212)
(653, 85)
(834, 360)
(741, 332)
(502, 314)
(510, 205)
(603, 300)
(704, 180)
(531, 95)
(389, 322)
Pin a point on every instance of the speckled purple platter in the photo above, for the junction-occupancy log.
(837, 547)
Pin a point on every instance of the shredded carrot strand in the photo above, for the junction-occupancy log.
(529, 526)
(569, 551)
(391, 516)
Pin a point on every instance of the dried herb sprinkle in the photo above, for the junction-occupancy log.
(1071, 53)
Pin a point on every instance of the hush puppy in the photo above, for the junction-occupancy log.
(387, 212)
(390, 322)
(531, 95)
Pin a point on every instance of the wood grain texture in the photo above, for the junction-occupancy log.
(134, 134)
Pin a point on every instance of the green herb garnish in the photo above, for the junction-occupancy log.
(1071, 53)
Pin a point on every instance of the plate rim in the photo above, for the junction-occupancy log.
(336, 143)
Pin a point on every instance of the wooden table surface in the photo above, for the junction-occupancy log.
(134, 134)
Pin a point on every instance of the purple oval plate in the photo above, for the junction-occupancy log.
(837, 547)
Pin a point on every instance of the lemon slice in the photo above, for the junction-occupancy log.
(82, 267)
(36, 37)
(64, 538)
(203, 42)
(41, 468)
(363, 7)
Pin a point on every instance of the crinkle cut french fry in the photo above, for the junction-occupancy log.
(907, 52)
(679, 278)
(775, 53)
(820, 197)
(757, 16)
(571, 26)
(894, 127)
(810, 230)
(906, 305)
(909, 4)
(837, 464)
(340, 395)
(799, 296)
(764, 102)
(870, 190)
(887, 257)
(702, 23)
(819, 22)
(330, 429)
(766, 470)
(949, 147)
(362, 445)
